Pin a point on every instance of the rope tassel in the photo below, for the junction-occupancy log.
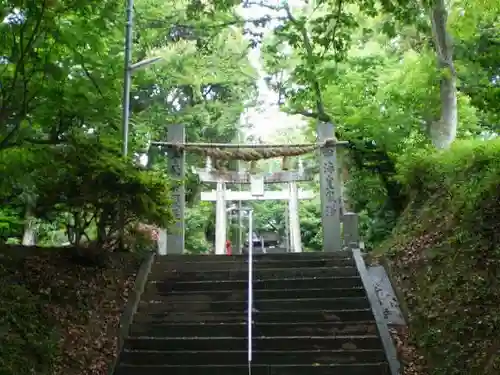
(253, 167)
(285, 163)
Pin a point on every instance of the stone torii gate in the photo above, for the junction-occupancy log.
(221, 196)
(330, 186)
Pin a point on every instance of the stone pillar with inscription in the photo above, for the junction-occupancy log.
(330, 213)
(339, 186)
(176, 171)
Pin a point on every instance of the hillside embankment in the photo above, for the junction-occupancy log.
(445, 258)
(59, 315)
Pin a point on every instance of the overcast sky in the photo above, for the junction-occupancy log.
(267, 118)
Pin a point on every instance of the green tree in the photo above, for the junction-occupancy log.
(372, 72)
(62, 76)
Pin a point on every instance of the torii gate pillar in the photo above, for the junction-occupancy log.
(329, 190)
(220, 219)
(294, 220)
(292, 195)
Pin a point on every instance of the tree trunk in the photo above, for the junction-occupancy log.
(444, 131)
(29, 235)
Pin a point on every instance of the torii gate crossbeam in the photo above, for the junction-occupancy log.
(211, 196)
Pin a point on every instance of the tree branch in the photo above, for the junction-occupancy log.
(313, 115)
(48, 142)
(247, 4)
(444, 45)
(19, 70)
(25, 48)
(335, 29)
(4, 143)
(310, 54)
(82, 63)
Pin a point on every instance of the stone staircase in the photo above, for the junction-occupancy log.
(312, 316)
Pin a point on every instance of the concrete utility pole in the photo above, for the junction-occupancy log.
(129, 68)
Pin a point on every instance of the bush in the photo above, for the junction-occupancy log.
(374, 192)
(90, 182)
(198, 220)
(10, 224)
(446, 250)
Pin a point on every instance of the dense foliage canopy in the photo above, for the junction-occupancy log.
(60, 109)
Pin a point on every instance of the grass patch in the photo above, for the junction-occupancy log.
(446, 256)
(57, 315)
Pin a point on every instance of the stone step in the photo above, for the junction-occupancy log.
(153, 357)
(259, 329)
(259, 263)
(176, 285)
(241, 295)
(311, 317)
(380, 368)
(209, 305)
(271, 250)
(259, 343)
(337, 315)
(183, 258)
(242, 274)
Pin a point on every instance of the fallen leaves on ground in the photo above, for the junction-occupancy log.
(83, 302)
(448, 282)
(412, 362)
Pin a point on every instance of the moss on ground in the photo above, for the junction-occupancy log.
(445, 254)
(58, 316)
